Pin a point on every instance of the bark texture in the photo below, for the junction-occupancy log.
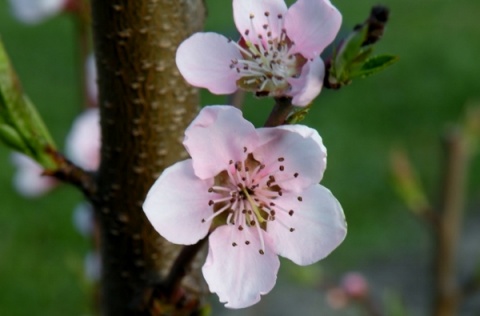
(145, 107)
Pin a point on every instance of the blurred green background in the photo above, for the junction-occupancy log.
(41, 254)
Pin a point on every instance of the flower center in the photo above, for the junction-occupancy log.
(246, 193)
(266, 66)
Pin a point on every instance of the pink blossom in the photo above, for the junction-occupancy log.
(91, 79)
(28, 179)
(256, 192)
(35, 11)
(83, 141)
(277, 55)
(355, 285)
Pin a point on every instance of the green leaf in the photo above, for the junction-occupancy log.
(375, 64)
(348, 51)
(22, 127)
(12, 139)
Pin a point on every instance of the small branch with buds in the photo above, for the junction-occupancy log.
(68, 172)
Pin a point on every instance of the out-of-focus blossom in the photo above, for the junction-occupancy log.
(355, 285)
(83, 141)
(258, 190)
(28, 179)
(277, 55)
(91, 79)
(92, 266)
(83, 219)
(36, 11)
(336, 298)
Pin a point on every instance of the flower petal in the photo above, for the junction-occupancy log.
(83, 140)
(295, 155)
(204, 61)
(177, 202)
(239, 274)
(217, 135)
(243, 10)
(35, 11)
(28, 180)
(318, 222)
(309, 84)
(312, 25)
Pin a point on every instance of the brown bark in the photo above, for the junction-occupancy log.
(145, 106)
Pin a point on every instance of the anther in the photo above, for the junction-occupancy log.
(280, 16)
(210, 190)
(290, 212)
(300, 198)
(251, 16)
(247, 242)
(261, 252)
(267, 13)
(281, 168)
(295, 174)
(234, 244)
(210, 203)
(292, 229)
(203, 220)
(281, 159)
(240, 227)
(244, 149)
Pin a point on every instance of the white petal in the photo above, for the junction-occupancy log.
(204, 60)
(312, 25)
(243, 10)
(217, 135)
(28, 180)
(177, 202)
(308, 86)
(239, 274)
(83, 140)
(91, 79)
(294, 154)
(318, 222)
(35, 11)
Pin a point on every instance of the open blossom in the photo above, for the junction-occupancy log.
(35, 11)
(277, 55)
(256, 192)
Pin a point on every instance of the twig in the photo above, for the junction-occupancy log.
(181, 267)
(447, 291)
(70, 173)
(236, 99)
(282, 108)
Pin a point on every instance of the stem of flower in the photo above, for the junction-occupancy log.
(282, 108)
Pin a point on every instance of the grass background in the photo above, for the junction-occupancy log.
(41, 255)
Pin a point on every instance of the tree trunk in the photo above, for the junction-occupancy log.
(145, 106)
